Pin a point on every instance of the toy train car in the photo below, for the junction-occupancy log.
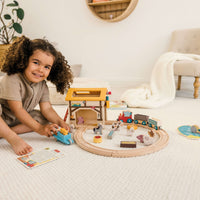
(145, 120)
(141, 119)
(154, 123)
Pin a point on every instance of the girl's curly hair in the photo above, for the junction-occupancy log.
(18, 56)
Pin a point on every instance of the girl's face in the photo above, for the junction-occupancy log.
(39, 66)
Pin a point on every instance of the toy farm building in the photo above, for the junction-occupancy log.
(87, 106)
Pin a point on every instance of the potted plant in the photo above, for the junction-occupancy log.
(11, 16)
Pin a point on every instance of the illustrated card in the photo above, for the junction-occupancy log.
(40, 157)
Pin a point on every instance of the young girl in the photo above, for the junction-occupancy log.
(27, 66)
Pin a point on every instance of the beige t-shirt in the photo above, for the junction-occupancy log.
(16, 87)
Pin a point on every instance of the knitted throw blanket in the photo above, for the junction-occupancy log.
(161, 89)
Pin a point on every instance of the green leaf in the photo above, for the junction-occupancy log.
(13, 4)
(16, 3)
(20, 13)
(17, 27)
(7, 16)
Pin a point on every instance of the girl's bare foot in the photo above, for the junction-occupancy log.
(19, 145)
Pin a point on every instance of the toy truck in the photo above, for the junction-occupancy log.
(64, 136)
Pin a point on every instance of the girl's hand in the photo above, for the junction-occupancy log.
(48, 129)
(64, 125)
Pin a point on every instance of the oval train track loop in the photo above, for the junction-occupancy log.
(158, 145)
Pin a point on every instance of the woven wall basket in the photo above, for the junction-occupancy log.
(3, 49)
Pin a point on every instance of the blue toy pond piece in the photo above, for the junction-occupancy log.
(186, 131)
(66, 139)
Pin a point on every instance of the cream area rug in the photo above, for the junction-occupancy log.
(169, 174)
(161, 89)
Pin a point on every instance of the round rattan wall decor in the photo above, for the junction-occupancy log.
(112, 10)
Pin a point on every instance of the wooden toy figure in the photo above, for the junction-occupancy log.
(98, 129)
(116, 125)
(151, 133)
(146, 139)
(195, 129)
(131, 129)
(80, 120)
(72, 128)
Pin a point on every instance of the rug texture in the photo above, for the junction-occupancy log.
(169, 174)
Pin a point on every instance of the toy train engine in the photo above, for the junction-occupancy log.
(126, 117)
(141, 119)
(155, 123)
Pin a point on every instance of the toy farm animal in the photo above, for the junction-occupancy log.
(116, 125)
(80, 120)
(98, 129)
(146, 139)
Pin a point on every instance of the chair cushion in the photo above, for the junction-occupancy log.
(185, 41)
(187, 68)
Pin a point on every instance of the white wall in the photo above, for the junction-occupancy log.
(124, 51)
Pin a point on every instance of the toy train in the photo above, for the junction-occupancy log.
(126, 116)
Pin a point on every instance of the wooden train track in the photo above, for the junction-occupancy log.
(158, 145)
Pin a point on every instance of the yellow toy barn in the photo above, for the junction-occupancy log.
(87, 106)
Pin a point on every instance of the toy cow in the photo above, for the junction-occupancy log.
(98, 129)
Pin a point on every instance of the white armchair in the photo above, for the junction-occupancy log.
(187, 41)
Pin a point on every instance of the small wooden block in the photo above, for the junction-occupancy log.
(128, 144)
